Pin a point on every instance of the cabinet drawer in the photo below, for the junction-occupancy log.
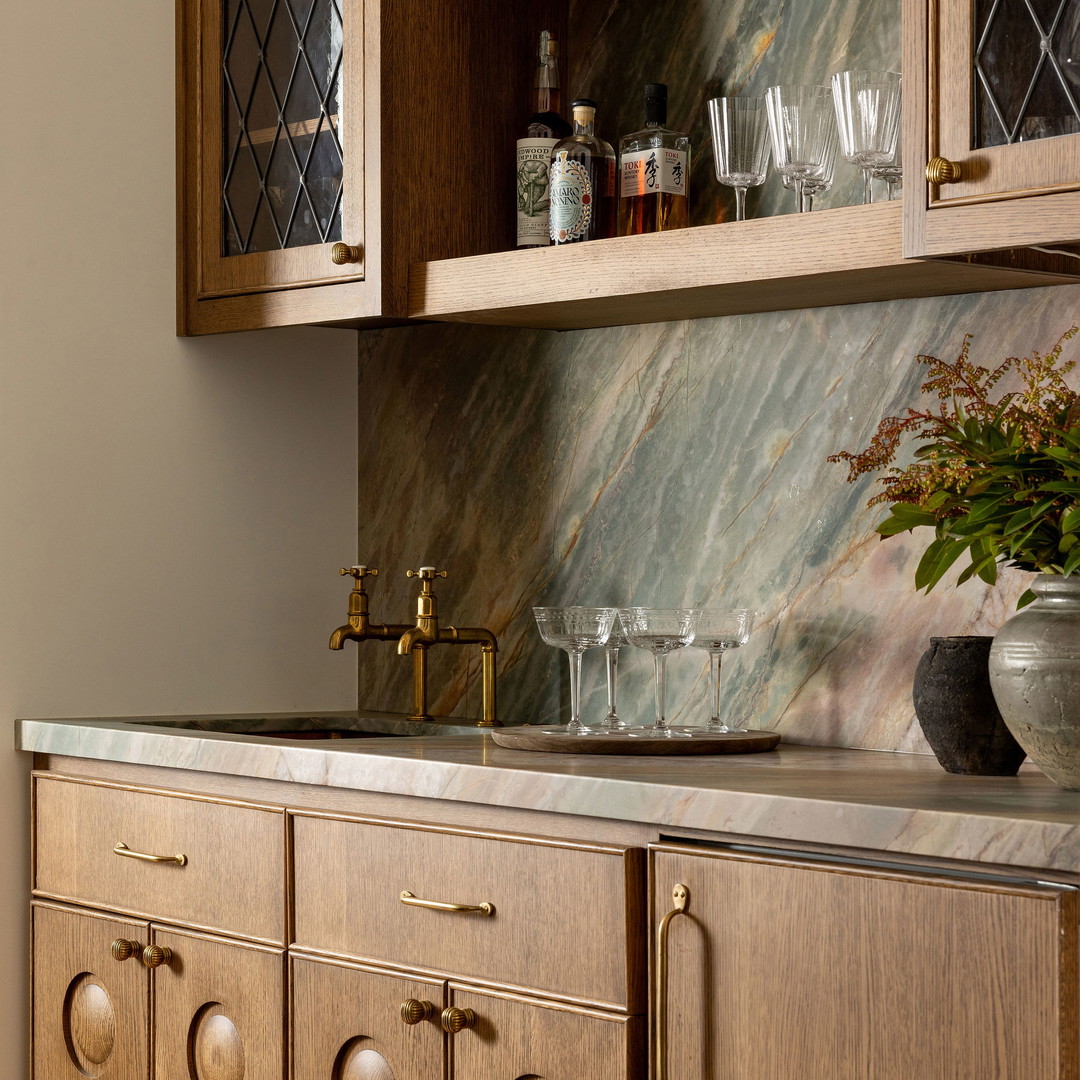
(565, 920)
(234, 861)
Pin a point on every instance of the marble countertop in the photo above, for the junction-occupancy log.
(903, 803)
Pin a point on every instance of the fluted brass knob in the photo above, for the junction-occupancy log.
(123, 949)
(413, 1011)
(940, 170)
(157, 956)
(455, 1020)
(340, 254)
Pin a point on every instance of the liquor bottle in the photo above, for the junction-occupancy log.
(653, 169)
(545, 128)
(582, 182)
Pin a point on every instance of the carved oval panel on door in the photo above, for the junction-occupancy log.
(215, 1049)
(89, 1023)
(359, 1061)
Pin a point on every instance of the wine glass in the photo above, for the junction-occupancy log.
(868, 116)
(892, 172)
(718, 632)
(616, 640)
(740, 134)
(814, 185)
(660, 631)
(575, 629)
(802, 123)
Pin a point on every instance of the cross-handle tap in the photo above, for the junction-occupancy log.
(359, 627)
(426, 630)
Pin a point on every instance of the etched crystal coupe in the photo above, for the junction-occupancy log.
(575, 629)
(718, 632)
(660, 631)
(614, 643)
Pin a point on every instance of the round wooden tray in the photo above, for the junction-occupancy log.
(563, 742)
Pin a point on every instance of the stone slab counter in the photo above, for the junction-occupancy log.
(887, 802)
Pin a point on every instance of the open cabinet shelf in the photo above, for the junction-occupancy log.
(848, 255)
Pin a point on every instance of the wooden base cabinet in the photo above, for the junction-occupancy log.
(783, 967)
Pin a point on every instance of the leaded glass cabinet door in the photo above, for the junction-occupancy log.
(280, 171)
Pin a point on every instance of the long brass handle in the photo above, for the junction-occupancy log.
(413, 1011)
(484, 907)
(680, 897)
(125, 949)
(157, 956)
(455, 1020)
(123, 849)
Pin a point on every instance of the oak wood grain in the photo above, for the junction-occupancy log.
(235, 856)
(860, 971)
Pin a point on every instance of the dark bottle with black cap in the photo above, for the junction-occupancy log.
(582, 182)
(654, 166)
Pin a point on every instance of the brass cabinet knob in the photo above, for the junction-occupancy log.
(413, 1011)
(123, 949)
(940, 170)
(340, 254)
(455, 1020)
(157, 956)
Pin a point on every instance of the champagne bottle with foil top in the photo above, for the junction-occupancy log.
(654, 166)
(582, 182)
(544, 129)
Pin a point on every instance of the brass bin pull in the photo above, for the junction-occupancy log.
(680, 897)
(123, 849)
(442, 905)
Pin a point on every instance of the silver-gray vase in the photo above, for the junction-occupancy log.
(1035, 675)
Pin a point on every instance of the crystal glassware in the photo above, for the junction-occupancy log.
(616, 640)
(868, 117)
(815, 185)
(575, 629)
(718, 632)
(740, 138)
(802, 125)
(892, 172)
(660, 631)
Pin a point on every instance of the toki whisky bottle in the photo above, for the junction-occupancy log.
(654, 164)
(545, 128)
(582, 182)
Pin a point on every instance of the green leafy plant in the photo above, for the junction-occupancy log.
(998, 479)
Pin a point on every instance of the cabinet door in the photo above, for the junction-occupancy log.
(218, 1009)
(783, 968)
(273, 141)
(992, 87)
(510, 1036)
(90, 1010)
(347, 1024)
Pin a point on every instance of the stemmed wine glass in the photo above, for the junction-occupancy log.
(575, 629)
(740, 134)
(616, 640)
(660, 631)
(868, 116)
(718, 632)
(802, 124)
(892, 172)
(815, 185)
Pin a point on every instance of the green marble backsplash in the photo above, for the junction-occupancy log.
(669, 464)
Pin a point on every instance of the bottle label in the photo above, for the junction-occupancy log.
(649, 172)
(533, 191)
(571, 199)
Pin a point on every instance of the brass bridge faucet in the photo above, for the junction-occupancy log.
(417, 639)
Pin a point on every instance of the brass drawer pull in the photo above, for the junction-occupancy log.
(455, 1020)
(123, 949)
(442, 905)
(413, 1011)
(157, 956)
(123, 849)
(680, 896)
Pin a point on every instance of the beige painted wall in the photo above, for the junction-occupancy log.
(172, 513)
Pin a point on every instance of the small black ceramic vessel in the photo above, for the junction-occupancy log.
(957, 711)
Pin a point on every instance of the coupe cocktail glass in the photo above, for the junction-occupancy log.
(660, 631)
(719, 631)
(575, 629)
(616, 640)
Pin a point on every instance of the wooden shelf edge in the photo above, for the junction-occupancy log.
(848, 255)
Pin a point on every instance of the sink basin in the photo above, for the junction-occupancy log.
(309, 727)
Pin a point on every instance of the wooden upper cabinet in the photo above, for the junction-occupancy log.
(995, 89)
(381, 125)
(780, 967)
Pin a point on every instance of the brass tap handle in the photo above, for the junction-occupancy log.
(485, 908)
(413, 1011)
(157, 956)
(455, 1020)
(426, 573)
(124, 949)
(358, 572)
(122, 849)
(940, 170)
(680, 897)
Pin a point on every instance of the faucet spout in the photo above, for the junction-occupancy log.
(341, 635)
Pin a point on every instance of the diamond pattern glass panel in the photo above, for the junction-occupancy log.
(1026, 78)
(281, 95)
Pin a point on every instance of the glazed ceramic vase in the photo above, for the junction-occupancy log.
(1035, 673)
(957, 712)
